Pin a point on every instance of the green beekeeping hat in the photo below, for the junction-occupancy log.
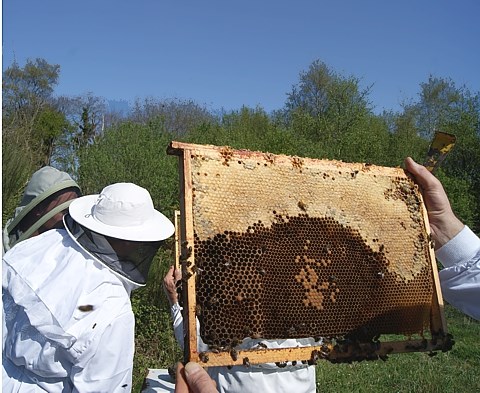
(43, 183)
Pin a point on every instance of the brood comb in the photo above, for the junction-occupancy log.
(281, 247)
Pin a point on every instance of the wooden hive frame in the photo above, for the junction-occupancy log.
(336, 349)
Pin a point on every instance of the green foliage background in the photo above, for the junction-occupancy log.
(326, 115)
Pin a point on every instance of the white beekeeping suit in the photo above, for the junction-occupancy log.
(68, 324)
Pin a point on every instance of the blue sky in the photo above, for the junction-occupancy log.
(225, 54)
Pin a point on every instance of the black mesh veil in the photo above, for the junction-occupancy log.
(132, 260)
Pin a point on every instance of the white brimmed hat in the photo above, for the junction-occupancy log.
(123, 211)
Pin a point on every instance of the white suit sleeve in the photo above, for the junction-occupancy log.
(460, 277)
(109, 369)
(177, 318)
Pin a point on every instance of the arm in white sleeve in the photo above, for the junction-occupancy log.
(109, 368)
(177, 318)
(460, 277)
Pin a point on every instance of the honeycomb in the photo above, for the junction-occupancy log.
(289, 247)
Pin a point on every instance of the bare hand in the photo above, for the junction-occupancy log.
(170, 282)
(193, 379)
(443, 222)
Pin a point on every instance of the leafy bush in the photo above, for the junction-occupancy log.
(16, 170)
(133, 153)
(462, 196)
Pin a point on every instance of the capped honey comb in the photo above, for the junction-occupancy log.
(280, 247)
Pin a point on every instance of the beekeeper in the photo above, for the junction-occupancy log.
(45, 200)
(68, 324)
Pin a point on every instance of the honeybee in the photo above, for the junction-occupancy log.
(315, 357)
(203, 357)
(197, 270)
(324, 351)
(246, 362)
(85, 308)
(261, 271)
(234, 354)
(186, 254)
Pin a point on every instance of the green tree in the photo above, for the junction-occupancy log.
(16, 170)
(405, 140)
(247, 128)
(49, 126)
(441, 102)
(325, 105)
(27, 90)
(368, 142)
(85, 114)
(30, 117)
(31, 125)
(445, 107)
(27, 104)
(179, 117)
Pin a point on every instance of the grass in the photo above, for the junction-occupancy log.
(453, 371)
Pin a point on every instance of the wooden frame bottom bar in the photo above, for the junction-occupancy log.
(336, 353)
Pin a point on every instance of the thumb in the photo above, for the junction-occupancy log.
(177, 273)
(422, 175)
(198, 380)
(412, 166)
